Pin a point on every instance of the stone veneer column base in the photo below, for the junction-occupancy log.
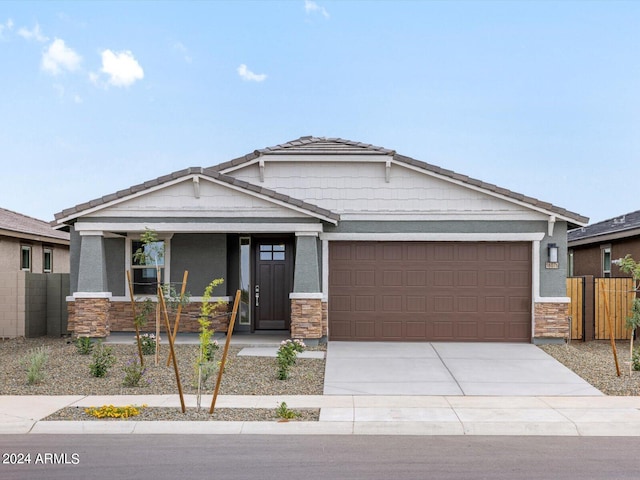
(551, 320)
(306, 318)
(90, 317)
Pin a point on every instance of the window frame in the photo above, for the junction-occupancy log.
(605, 252)
(47, 251)
(26, 248)
(131, 266)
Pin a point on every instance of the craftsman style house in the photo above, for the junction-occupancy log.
(330, 238)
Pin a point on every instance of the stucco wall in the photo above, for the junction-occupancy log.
(12, 304)
(204, 256)
(587, 259)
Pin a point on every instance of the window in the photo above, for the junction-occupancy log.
(245, 286)
(144, 269)
(25, 259)
(272, 252)
(606, 262)
(47, 260)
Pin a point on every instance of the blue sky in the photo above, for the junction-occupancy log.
(542, 98)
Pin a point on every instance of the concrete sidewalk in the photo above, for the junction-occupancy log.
(349, 415)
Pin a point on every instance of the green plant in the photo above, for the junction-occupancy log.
(142, 314)
(36, 360)
(102, 361)
(148, 343)
(204, 365)
(133, 373)
(283, 411)
(630, 266)
(286, 356)
(84, 345)
(635, 360)
(110, 411)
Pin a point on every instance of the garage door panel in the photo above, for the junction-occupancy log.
(430, 291)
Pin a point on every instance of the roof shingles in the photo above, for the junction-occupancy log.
(314, 146)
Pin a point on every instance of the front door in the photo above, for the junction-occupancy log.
(273, 283)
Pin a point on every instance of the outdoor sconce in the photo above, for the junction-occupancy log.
(552, 250)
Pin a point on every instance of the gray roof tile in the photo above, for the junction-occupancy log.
(310, 145)
(629, 222)
(22, 224)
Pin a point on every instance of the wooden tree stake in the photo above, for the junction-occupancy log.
(611, 332)
(173, 355)
(133, 309)
(232, 322)
(179, 312)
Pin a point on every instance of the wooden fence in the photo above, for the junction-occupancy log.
(614, 295)
(575, 291)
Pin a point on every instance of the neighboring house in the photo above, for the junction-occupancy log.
(329, 238)
(593, 248)
(27, 246)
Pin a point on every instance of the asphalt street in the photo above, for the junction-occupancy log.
(230, 457)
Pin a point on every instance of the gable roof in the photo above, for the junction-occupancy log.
(623, 226)
(211, 173)
(310, 146)
(17, 225)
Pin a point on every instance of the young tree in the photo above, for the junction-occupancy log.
(152, 253)
(629, 265)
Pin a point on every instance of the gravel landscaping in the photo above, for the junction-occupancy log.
(594, 362)
(67, 373)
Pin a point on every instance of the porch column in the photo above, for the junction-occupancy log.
(306, 299)
(92, 300)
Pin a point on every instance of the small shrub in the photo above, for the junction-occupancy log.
(286, 356)
(103, 360)
(148, 343)
(635, 360)
(35, 360)
(109, 411)
(283, 411)
(84, 345)
(210, 350)
(133, 373)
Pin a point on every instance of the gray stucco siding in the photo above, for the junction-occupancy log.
(466, 226)
(553, 282)
(204, 256)
(74, 259)
(115, 256)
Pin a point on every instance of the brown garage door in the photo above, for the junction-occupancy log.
(417, 291)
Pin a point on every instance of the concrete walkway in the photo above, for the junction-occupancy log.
(501, 369)
(349, 415)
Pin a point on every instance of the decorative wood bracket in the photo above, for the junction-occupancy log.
(387, 177)
(261, 164)
(196, 187)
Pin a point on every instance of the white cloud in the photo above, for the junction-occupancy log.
(312, 7)
(59, 57)
(121, 67)
(8, 25)
(77, 98)
(34, 34)
(248, 75)
(182, 50)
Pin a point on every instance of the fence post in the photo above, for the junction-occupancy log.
(589, 331)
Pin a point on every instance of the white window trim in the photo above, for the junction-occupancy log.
(46, 250)
(28, 248)
(128, 253)
(604, 249)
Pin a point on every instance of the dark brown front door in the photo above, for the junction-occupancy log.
(273, 282)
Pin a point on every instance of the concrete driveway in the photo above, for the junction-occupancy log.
(503, 369)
